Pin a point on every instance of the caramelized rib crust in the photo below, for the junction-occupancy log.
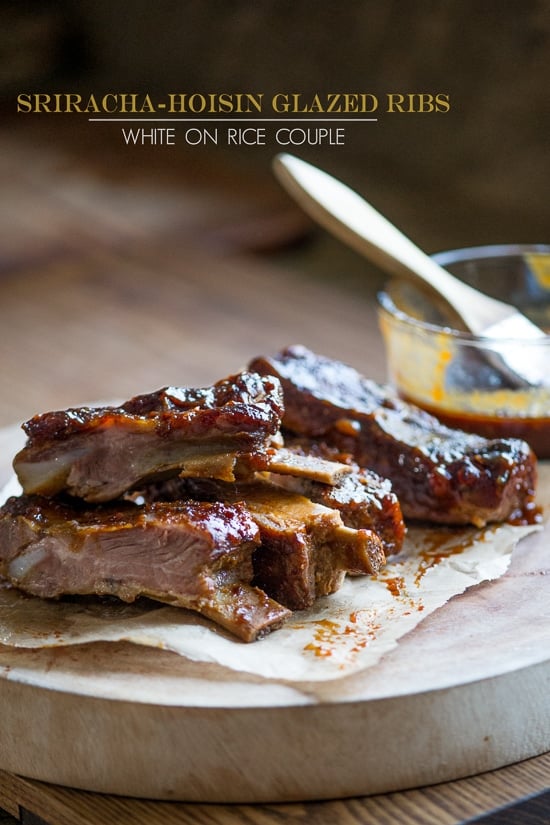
(99, 453)
(439, 474)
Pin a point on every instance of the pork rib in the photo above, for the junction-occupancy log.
(99, 453)
(363, 498)
(301, 463)
(306, 549)
(439, 474)
(191, 554)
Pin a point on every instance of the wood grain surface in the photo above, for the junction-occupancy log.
(106, 290)
(448, 804)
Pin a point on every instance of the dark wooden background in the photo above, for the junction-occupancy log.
(477, 174)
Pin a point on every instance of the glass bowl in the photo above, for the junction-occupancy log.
(449, 372)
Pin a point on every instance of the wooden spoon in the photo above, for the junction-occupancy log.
(348, 216)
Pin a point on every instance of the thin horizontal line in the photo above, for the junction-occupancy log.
(235, 119)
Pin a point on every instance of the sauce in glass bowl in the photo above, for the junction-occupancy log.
(449, 372)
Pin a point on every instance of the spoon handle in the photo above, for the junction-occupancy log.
(348, 216)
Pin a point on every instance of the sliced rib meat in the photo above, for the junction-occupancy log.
(196, 555)
(99, 453)
(438, 474)
(305, 550)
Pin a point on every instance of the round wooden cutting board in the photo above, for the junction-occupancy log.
(465, 692)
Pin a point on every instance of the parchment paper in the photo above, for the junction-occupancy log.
(344, 633)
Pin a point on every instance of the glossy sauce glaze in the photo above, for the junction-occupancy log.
(536, 431)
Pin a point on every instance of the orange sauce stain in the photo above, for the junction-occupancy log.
(325, 638)
(395, 585)
(327, 635)
(434, 553)
(318, 650)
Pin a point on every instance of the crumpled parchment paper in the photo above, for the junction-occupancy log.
(342, 634)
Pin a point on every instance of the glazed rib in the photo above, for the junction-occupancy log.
(439, 474)
(305, 550)
(99, 453)
(363, 498)
(195, 555)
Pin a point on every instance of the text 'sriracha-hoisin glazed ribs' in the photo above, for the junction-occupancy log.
(439, 474)
(99, 453)
(190, 554)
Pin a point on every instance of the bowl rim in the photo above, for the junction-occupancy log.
(446, 257)
(461, 254)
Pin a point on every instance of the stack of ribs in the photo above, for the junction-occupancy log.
(173, 496)
(246, 500)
